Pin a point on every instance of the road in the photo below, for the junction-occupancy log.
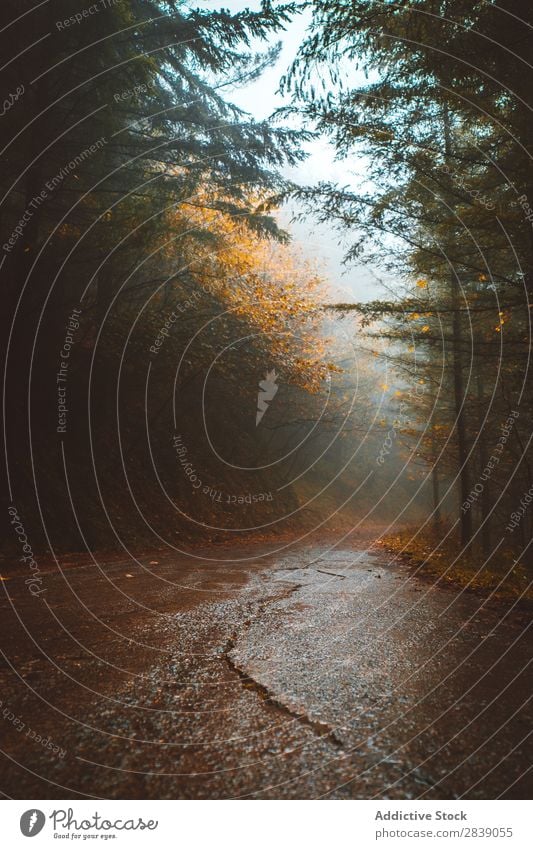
(304, 674)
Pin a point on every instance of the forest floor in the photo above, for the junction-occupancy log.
(499, 575)
(306, 673)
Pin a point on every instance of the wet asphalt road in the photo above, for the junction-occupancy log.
(310, 673)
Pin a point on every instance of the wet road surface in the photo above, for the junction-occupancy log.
(309, 673)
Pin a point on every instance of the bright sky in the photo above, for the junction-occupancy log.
(261, 98)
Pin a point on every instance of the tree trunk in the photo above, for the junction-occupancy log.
(465, 516)
(483, 457)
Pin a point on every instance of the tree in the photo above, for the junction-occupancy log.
(123, 117)
(446, 127)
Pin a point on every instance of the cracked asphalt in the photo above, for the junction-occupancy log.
(308, 673)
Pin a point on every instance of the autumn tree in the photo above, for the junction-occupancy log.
(123, 115)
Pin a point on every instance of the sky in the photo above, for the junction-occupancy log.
(317, 242)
